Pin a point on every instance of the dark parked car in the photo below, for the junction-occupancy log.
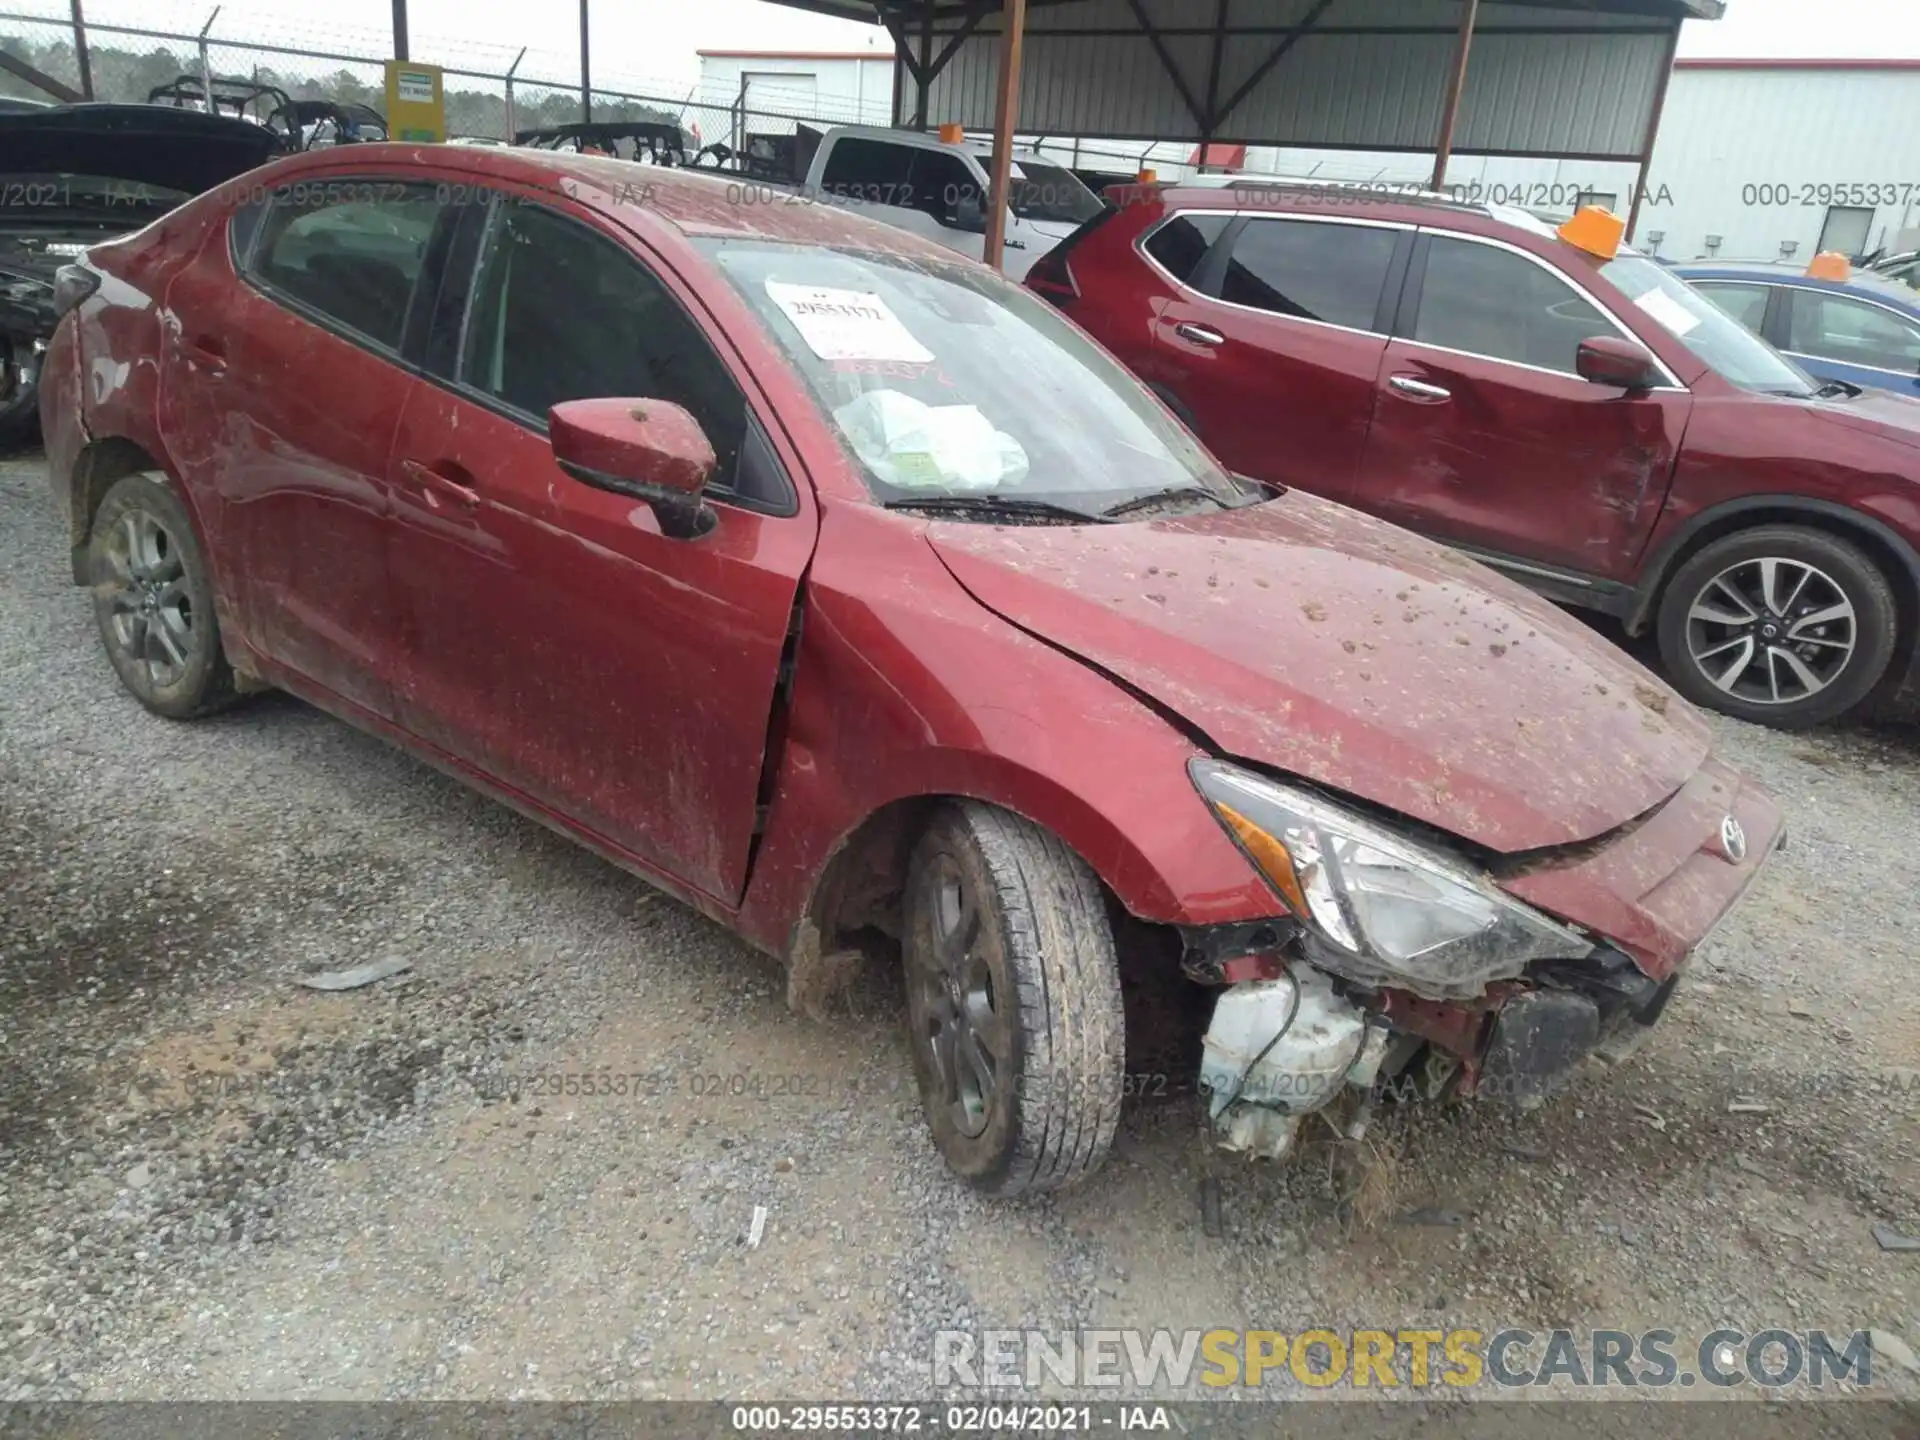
(1864, 330)
(836, 585)
(72, 175)
(1590, 425)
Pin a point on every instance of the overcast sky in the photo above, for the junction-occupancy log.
(655, 40)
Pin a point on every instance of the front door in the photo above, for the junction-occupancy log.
(1484, 435)
(1275, 365)
(556, 640)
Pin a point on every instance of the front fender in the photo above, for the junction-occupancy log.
(906, 688)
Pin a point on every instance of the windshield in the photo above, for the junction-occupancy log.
(1735, 352)
(946, 381)
(1039, 191)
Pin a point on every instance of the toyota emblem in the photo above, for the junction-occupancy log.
(1733, 840)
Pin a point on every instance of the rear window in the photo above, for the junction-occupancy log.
(1311, 270)
(1182, 243)
(351, 251)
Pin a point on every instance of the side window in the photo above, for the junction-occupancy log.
(562, 313)
(350, 250)
(1833, 327)
(1745, 303)
(1310, 270)
(1182, 243)
(868, 170)
(242, 226)
(1492, 302)
(942, 184)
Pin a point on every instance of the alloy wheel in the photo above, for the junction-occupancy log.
(1771, 631)
(956, 1010)
(151, 620)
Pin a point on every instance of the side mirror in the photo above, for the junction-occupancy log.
(1609, 360)
(652, 450)
(968, 214)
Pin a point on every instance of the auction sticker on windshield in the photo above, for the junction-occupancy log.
(847, 324)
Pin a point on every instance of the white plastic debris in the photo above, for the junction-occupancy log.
(358, 976)
(757, 1228)
(917, 446)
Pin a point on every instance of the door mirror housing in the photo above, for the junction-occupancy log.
(1609, 360)
(652, 450)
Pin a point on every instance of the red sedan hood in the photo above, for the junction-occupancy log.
(1308, 637)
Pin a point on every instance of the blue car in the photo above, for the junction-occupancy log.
(1864, 330)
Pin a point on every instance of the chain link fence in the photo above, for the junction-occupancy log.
(491, 92)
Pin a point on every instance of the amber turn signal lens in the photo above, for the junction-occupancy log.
(1270, 855)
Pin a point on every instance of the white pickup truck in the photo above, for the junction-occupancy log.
(938, 189)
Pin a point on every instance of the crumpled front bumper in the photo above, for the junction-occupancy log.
(1655, 892)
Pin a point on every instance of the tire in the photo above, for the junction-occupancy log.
(1007, 945)
(1713, 614)
(153, 602)
(19, 399)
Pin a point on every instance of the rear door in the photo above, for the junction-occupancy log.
(286, 390)
(1273, 345)
(1486, 436)
(556, 640)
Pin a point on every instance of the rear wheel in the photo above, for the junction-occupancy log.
(153, 601)
(1013, 999)
(1780, 625)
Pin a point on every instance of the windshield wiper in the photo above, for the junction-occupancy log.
(1158, 497)
(995, 505)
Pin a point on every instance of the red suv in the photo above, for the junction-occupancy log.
(1591, 426)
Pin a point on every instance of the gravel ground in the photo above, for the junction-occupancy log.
(214, 1183)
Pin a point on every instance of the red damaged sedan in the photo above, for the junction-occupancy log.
(846, 591)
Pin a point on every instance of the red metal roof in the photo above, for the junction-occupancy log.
(1219, 157)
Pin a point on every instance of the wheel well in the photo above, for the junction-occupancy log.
(1896, 567)
(101, 464)
(854, 918)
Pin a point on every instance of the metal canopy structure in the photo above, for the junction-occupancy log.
(1571, 79)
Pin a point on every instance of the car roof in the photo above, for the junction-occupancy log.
(693, 202)
(1409, 205)
(1773, 272)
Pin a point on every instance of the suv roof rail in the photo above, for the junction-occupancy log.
(1411, 189)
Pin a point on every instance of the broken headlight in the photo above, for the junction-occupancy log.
(1380, 908)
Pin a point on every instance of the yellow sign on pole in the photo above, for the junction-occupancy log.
(416, 102)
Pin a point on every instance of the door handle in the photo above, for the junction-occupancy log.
(438, 487)
(1199, 334)
(1420, 389)
(1014, 244)
(206, 353)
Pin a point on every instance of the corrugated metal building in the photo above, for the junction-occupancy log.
(1756, 160)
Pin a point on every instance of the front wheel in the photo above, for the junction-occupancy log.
(1780, 625)
(1013, 999)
